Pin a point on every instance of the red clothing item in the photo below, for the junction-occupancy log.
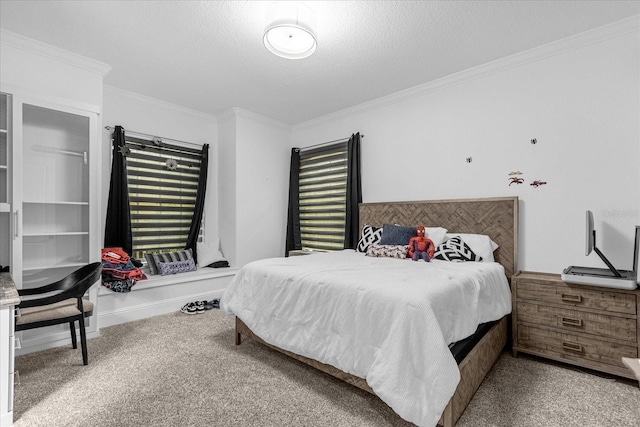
(115, 256)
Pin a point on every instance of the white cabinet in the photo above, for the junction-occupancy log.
(54, 200)
(5, 183)
(8, 299)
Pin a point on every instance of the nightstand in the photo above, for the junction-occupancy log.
(586, 326)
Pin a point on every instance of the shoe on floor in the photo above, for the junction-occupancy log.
(210, 305)
(199, 306)
(189, 308)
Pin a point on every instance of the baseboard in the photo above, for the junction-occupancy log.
(152, 308)
(51, 341)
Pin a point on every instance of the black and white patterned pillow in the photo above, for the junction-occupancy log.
(370, 235)
(455, 249)
(175, 267)
(389, 251)
(154, 259)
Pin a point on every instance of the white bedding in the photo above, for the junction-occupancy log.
(386, 320)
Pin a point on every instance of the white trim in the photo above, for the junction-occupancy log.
(51, 341)
(154, 308)
(600, 34)
(175, 279)
(34, 46)
(36, 97)
(154, 102)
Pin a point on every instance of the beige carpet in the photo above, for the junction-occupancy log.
(181, 370)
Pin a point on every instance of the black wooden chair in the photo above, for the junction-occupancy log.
(64, 304)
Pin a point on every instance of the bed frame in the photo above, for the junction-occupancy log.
(495, 217)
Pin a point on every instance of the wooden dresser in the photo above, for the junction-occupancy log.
(587, 326)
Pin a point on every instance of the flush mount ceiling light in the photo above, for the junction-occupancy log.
(289, 32)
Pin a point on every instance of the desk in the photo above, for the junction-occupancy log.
(9, 298)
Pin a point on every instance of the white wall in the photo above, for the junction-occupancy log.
(147, 115)
(263, 150)
(227, 185)
(581, 104)
(255, 157)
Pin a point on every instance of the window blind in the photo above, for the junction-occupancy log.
(161, 200)
(322, 194)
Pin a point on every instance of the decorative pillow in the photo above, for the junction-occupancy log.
(396, 234)
(481, 244)
(391, 251)
(455, 249)
(436, 234)
(154, 259)
(370, 235)
(176, 267)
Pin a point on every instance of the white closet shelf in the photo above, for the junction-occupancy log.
(4, 167)
(54, 233)
(5, 207)
(54, 202)
(49, 267)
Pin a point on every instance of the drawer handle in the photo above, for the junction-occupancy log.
(572, 347)
(568, 321)
(571, 298)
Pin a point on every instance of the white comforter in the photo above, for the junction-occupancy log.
(386, 320)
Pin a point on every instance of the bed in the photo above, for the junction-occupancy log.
(343, 345)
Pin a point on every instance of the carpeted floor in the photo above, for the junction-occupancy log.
(180, 370)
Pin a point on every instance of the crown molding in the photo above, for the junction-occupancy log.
(70, 58)
(154, 102)
(558, 47)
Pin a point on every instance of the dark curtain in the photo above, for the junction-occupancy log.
(117, 231)
(192, 240)
(294, 240)
(354, 193)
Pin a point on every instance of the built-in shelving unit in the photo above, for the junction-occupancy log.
(53, 228)
(5, 183)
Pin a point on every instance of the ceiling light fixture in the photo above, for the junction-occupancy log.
(289, 32)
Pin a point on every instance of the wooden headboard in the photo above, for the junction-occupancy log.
(495, 217)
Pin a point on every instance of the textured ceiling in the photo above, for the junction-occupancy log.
(208, 55)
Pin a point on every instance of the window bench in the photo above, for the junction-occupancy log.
(161, 294)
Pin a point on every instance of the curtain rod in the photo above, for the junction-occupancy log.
(328, 142)
(111, 128)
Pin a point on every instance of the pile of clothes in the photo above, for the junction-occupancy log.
(119, 272)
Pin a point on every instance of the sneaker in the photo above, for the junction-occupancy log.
(189, 308)
(199, 306)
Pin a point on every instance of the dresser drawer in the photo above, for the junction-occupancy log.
(571, 347)
(613, 302)
(599, 324)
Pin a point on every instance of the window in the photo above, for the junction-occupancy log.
(322, 195)
(163, 181)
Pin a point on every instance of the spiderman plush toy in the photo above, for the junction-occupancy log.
(421, 247)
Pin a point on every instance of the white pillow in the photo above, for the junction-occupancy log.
(209, 254)
(436, 234)
(481, 244)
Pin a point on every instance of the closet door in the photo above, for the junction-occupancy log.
(56, 228)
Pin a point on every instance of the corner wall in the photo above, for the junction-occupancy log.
(255, 159)
(580, 99)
